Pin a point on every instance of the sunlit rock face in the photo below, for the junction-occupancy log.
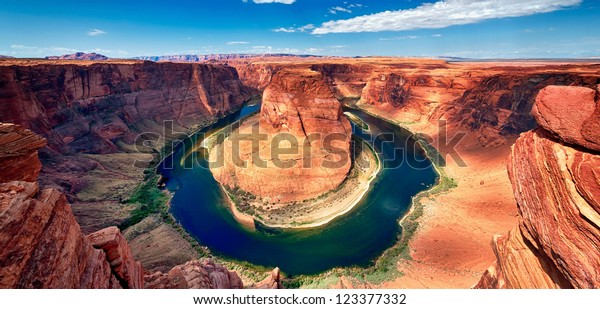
(94, 107)
(555, 172)
(301, 142)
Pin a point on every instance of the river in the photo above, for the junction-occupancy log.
(354, 239)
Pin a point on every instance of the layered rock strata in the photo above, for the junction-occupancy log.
(555, 172)
(300, 114)
(195, 274)
(492, 100)
(93, 108)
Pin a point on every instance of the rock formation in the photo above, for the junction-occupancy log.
(43, 246)
(86, 107)
(90, 108)
(79, 56)
(301, 114)
(19, 150)
(118, 254)
(555, 172)
(195, 275)
(492, 101)
(271, 282)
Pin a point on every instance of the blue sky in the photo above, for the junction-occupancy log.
(462, 28)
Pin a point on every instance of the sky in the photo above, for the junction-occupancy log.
(431, 28)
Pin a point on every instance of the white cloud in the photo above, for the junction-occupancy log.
(407, 37)
(313, 50)
(286, 30)
(443, 14)
(437, 35)
(264, 49)
(237, 43)
(295, 29)
(346, 8)
(95, 32)
(272, 1)
(336, 9)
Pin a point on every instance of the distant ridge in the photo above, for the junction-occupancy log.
(6, 57)
(199, 58)
(80, 56)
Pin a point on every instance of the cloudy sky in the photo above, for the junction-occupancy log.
(460, 28)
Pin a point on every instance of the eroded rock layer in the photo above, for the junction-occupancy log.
(300, 114)
(557, 188)
(492, 100)
(91, 107)
(195, 274)
(19, 151)
(43, 246)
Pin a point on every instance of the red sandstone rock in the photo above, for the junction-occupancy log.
(492, 102)
(273, 281)
(392, 89)
(18, 153)
(557, 188)
(91, 107)
(42, 244)
(129, 272)
(569, 113)
(197, 274)
(297, 103)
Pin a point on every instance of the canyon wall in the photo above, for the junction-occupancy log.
(493, 101)
(555, 173)
(43, 246)
(92, 108)
(91, 113)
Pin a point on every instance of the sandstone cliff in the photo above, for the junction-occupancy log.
(91, 113)
(555, 172)
(493, 101)
(19, 151)
(43, 246)
(301, 114)
(91, 108)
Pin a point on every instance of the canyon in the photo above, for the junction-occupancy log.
(487, 104)
(90, 113)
